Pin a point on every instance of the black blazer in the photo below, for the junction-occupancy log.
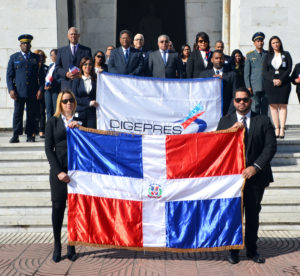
(261, 145)
(295, 75)
(56, 146)
(172, 69)
(65, 59)
(284, 71)
(118, 65)
(229, 86)
(195, 65)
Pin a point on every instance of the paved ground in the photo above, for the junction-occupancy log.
(30, 254)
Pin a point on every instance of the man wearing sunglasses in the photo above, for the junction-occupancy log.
(260, 147)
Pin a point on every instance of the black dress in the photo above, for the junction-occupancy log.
(277, 94)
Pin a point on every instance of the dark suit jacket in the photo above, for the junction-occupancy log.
(295, 75)
(261, 145)
(118, 65)
(158, 69)
(284, 71)
(57, 155)
(23, 76)
(195, 65)
(83, 100)
(229, 87)
(65, 59)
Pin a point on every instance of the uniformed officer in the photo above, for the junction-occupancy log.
(253, 74)
(25, 83)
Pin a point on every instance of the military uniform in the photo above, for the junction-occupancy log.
(253, 75)
(24, 78)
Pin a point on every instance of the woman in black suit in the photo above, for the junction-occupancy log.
(200, 57)
(99, 62)
(238, 65)
(277, 67)
(56, 151)
(84, 89)
(184, 56)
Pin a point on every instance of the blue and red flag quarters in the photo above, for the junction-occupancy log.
(180, 193)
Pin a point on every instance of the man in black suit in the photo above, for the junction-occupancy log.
(229, 79)
(260, 147)
(126, 60)
(164, 63)
(70, 56)
(138, 42)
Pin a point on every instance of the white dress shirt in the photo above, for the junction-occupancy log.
(220, 71)
(76, 48)
(240, 118)
(276, 61)
(87, 84)
(162, 54)
(203, 54)
(66, 122)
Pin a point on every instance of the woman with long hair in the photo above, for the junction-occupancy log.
(238, 64)
(276, 70)
(84, 89)
(57, 155)
(99, 61)
(184, 56)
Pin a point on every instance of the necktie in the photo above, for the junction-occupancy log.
(165, 57)
(218, 72)
(73, 50)
(244, 121)
(27, 56)
(126, 55)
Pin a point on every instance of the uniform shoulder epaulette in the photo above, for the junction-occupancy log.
(250, 52)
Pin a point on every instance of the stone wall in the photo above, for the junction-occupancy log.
(17, 17)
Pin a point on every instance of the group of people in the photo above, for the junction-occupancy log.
(67, 89)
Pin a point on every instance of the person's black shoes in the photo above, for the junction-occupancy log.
(56, 254)
(233, 258)
(256, 258)
(14, 139)
(30, 139)
(71, 253)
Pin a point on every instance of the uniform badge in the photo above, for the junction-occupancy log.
(154, 191)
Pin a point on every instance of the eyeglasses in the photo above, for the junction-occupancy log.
(202, 41)
(245, 100)
(65, 101)
(100, 56)
(164, 41)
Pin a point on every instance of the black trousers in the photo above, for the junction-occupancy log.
(19, 105)
(58, 210)
(40, 116)
(253, 194)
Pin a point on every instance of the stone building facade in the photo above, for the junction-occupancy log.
(99, 22)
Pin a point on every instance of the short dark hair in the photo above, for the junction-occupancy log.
(270, 44)
(243, 89)
(126, 32)
(218, 52)
(182, 48)
(54, 50)
(204, 36)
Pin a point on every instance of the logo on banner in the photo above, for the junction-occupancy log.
(154, 191)
(192, 119)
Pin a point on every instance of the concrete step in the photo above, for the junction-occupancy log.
(280, 200)
(280, 218)
(26, 221)
(23, 194)
(6, 146)
(42, 169)
(278, 227)
(25, 211)
(22, 155)
(285, 183)
(280, 175)
(286, 169)
(288, 209)
(293, 192)
(286, 158)
(22, 186)
(30, 201)
(16, 179)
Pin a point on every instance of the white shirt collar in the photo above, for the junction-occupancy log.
(124, 50)
(248, 116)
(86, 78)
(66, 122)
(76, 45)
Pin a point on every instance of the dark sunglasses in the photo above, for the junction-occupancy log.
(100, 56)
(202, 41)
(245, 100)
(65, 101)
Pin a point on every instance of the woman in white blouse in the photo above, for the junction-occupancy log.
(84, 89)
(276, 70)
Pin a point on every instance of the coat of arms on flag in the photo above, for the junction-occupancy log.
(174, 192)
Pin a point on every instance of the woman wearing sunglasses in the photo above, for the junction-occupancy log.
(84, 89)
(99, 61)
(56, 151)
(277, 67)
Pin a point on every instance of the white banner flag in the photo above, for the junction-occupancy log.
(158, 106)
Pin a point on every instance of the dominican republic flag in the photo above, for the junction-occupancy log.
(174, 192)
